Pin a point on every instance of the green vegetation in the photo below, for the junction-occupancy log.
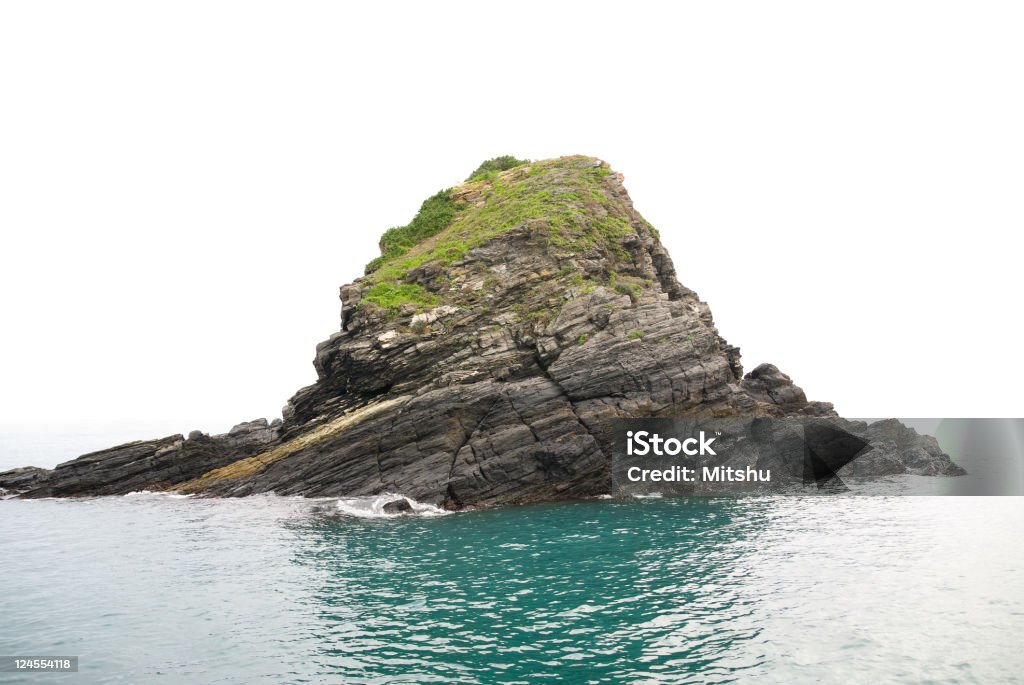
(564, 203)
(491, 167)
(628, 285)
(635, 335)
(582, 339)
(392, 297)
(435, 214)
(550, 198)
(631, 289)
(579, 282)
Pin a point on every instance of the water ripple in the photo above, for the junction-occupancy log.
(276, 590)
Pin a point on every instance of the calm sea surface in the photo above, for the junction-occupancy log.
(159, 589)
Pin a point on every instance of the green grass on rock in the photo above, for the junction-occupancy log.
(565, 201)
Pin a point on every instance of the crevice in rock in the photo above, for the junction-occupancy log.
(469, 436)
(376, 453)
(568, 399)
(519, 415)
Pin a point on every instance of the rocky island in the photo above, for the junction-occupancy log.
(483, 358)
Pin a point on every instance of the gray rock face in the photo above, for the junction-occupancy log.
(560, 316)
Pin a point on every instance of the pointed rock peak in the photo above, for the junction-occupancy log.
(561, 226)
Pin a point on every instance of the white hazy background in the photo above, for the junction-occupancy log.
(184, 186)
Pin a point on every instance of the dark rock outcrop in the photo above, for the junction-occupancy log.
(22, 479)
(152, 464)
(486, 363)
(898, 449)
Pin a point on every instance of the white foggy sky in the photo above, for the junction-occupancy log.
(184, 186)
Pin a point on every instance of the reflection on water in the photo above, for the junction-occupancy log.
(271, 590)
(538, 593)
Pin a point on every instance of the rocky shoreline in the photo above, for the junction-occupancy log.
(483, 360)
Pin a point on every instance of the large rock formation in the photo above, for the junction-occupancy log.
(483, 359)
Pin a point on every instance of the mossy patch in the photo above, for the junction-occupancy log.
(393, 297)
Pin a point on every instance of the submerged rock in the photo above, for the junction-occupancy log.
(482, 360)
(398, 506)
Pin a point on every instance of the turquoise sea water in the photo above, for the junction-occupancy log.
(158, 589)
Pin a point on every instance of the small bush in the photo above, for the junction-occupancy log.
(630, 289)
(635, 335)
(495, 165)
(435, 214)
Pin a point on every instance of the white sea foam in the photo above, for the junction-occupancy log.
(156, 493)
(373, 507)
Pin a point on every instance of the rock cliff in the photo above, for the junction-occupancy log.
(482, 360)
